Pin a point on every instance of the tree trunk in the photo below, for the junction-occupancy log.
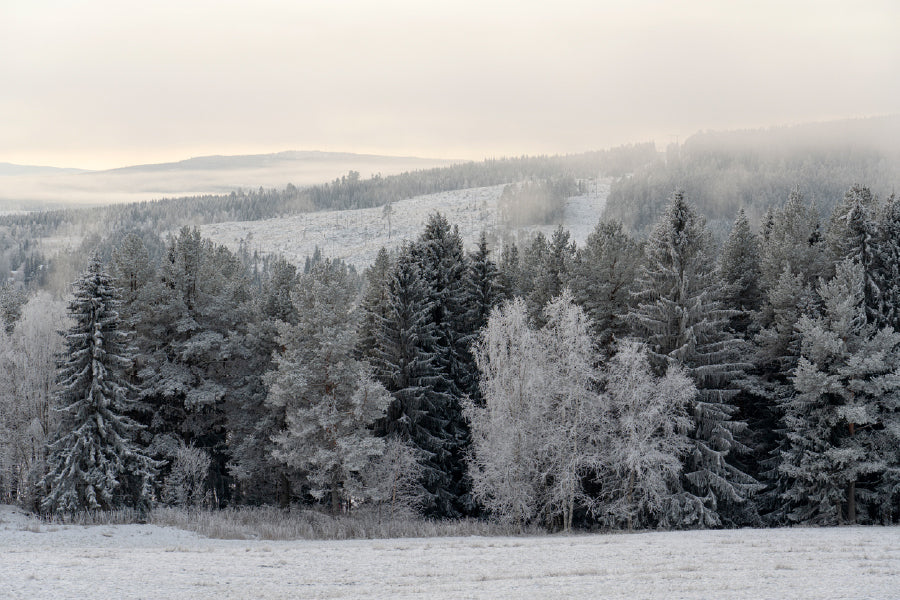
(851, 492)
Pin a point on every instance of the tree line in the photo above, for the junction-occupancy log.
(668, 383)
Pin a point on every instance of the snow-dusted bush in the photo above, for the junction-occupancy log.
(186, 484)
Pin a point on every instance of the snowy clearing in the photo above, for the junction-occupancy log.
(357, 235)
(144, 561)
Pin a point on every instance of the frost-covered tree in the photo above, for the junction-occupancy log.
(251, 421)
(482, 295)
(603, 274)
(187, 484)
(792, 241)
(842, 423)
(407, 369)
(374, 302)
(537, 437)
(680, 317)
(740, 272)
(28, 360)
(886, 274)
(443, 268)
(329, 398)
(198, 353)
(646, 425)
(551, 274)
(93, 462)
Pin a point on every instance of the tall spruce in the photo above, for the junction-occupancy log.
(407, 368)
(739, 270)
(886, 275)
(679, 316)
(483, 293)
(442, 260)
(93, 462)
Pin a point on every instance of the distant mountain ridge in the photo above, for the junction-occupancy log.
(258, 161)
(32, 187)
(10, 169)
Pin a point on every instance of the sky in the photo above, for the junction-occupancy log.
(100, 84)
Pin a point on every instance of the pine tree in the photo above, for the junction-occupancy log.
(93, 463)
(252, 421)
(603, 274)
(842, 425)
(679, 316)
(328, 397)
(374, 302)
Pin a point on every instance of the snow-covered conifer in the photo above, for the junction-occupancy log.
(603, 274)
(680, 317)
(329, 399)
(842, 424)
(93, 462)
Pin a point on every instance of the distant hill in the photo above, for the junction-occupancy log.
(9, 169)
(24, 188)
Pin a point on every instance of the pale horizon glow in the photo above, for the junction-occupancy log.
(103, 84)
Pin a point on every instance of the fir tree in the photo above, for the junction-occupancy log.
(842, 423)
(885, 276)
(679, 316)
(93, 463)
(603, 274)
(482, 295)
(403, 363)
(740, 272)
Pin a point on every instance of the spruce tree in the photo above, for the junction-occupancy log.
(94, 463)
(439, 253)
(842, 423)
(603, 274)
(482, 295)
(740, 272)
(407, 368)
(679, 316)
(886, 272)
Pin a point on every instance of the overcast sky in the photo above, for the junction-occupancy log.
(99, 84)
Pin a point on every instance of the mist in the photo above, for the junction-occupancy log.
(100, 85)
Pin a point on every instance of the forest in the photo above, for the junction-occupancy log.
(671, 381)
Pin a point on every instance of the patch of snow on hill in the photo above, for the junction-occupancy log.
(356, 235)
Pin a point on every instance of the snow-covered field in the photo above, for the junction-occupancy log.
(357, 235)
(40, 561)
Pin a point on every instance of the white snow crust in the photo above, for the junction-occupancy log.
(44, 561)
(356, 235)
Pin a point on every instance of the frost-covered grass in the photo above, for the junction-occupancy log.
(357, 235)
(51, 560)
(268, 523)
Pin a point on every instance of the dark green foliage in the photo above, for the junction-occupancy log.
(93, 462)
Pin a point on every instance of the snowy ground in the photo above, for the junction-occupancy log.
(357, 235)
(40, 561)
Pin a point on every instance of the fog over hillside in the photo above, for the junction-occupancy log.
(32, 188)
